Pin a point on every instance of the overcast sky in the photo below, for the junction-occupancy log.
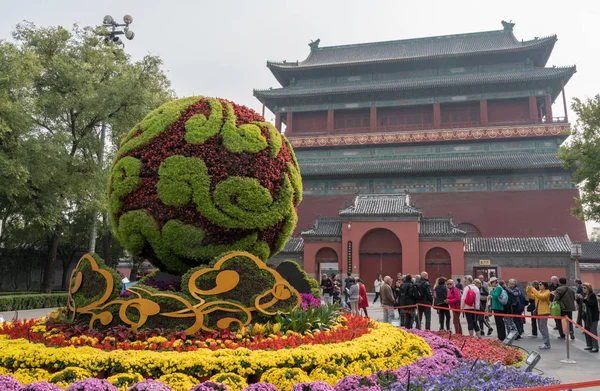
(220, 48)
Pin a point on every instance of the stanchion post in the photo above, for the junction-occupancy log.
(565, 326)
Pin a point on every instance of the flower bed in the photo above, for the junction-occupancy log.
(384, 346)
(483, 349)
(258, 337)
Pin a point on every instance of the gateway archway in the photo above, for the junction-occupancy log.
(438, 264)
(326, 261)
(380, 252)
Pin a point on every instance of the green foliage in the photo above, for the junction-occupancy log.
(313, 319)
(155, 123)
(315, 289)
(19, 302)
(63, 93)
(124, 178)
(199, 128)
(582, 154)
(244, 138)
(93, 284)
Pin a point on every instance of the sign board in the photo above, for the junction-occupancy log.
(484, 262)
(350, 256)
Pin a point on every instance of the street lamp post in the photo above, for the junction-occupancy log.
(576, 255)
(112, 33)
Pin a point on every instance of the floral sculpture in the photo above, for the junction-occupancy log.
(207, 191)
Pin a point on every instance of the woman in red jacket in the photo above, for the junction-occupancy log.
(363, 301)
(454, 303)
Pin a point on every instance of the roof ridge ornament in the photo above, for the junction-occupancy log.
(508, 26)
(314, 44)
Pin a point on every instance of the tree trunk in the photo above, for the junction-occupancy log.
(137, 261)
(93, 234)
(50, 267)
(106, 245)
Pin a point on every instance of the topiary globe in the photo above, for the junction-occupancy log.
(199, 177)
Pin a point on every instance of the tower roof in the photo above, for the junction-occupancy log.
(456, 45)
(427, 164)
(516, 75)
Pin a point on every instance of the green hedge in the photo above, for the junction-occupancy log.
(32, 301)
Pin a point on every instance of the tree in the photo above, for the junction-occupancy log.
(582, 154)
(81, 97)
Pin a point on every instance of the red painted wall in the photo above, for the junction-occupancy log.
(498, 213)
(351, 119)
(456, 251)
(524, 274)
(591, 277)
(508, 111)
(404, 118)
(310, 122)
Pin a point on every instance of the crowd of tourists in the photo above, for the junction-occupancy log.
(406, 298)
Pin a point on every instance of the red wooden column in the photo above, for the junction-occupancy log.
(329, 121)
(288, 124)
(562, 85)
(278, 121)
(483, 112)
(548, 104)
(373, 119)
(437, 116)
(533, 114)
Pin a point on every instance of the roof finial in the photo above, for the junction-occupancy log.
(314, 44)
(508, 26)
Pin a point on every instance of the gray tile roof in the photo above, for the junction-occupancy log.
(512, 76)
(419, 48)
(439, 226)
(381, 205)
(324, 227)
(560, 244)
(590, 251)
(294, 245)
(430, 164)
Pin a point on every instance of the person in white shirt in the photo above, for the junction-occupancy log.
(471, 300)
(377, 285)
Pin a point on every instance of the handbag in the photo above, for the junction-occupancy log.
(555, 309)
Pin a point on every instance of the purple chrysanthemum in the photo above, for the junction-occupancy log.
(210, 386)
(358, 383)
(261, 387)
(41, 386)
(317, 385)
(150, 385)
(92, 385)
(8, 383)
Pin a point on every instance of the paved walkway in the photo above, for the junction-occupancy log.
(585, 369)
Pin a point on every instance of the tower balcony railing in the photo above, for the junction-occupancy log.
(426, 127)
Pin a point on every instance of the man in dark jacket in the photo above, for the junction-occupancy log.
(405, 298)
(566, 297)
(348, 282)
(327, 287)
(424, 297)
(552, 287)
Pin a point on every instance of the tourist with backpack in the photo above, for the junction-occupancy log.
(454, 303)
(499, 299)
(327, 289)
(441, 300)
(542, 308)
(406, 298)
(470, 301)
(423, 295)
(482, 319)
(566, 297)
(519, 301)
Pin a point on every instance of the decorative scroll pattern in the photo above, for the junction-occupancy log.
(429, 136)
(146, 306)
